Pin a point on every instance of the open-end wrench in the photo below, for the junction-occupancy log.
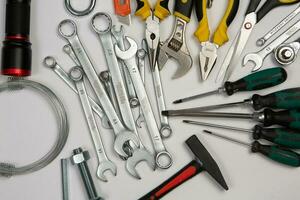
(105, 78)
(139, 153)
(68, 50)
(141, 54)
(119, 37)
(52, 64)
(105, 164)
(258, 58)
(122, 135)
(163, 157)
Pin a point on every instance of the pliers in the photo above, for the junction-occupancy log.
(152, 17)
(208, 53)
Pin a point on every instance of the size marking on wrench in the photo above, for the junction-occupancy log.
(258, 58)
(52, 64)
(163, 157)
(119, 37)
(105, 164)
(122, 135)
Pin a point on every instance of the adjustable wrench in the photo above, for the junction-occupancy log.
(122, 135)
(51, 63)
(139, 153)
(258, 58)
(119, 37)
(176, 46)
(141, 54)
(162, 157)
(104, 164)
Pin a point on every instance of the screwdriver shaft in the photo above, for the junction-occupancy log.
(227, 138)
(199, 96)
(194, 113)
(218, 126)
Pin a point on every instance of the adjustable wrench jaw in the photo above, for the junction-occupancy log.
(176, 48)
(139, 155)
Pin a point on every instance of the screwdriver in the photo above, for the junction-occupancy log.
(276, 153)
(280, 136)
(256, 81)
(283, 99)
(287, 118)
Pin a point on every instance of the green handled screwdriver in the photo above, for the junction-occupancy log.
(276, 153)
(287, 118)
(283, 99)
(256, 81)
(281, 136)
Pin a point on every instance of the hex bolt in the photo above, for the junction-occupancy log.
(80, 159)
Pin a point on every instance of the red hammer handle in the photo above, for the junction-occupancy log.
(186, 173)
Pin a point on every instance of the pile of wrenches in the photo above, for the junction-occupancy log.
(118, 91)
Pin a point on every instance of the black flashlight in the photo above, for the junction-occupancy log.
(16, 50)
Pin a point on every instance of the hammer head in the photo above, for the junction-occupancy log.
(206, 160)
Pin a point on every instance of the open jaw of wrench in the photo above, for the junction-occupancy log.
(52, 64)
(105, 164)
(258, 58)
(163, 157)
(176, 48)
(105, 36)
(122, 135)
(119, 37)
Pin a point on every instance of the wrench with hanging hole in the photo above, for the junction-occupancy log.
(139, 153)
(258, 58)
(141, 55)
(51, 63)
(122, 135)
(105, 78)
(163, 158)
(104, 164)
(119, 37)
(68, 50)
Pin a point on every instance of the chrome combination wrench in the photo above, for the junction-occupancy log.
(122, 135)
(139, 153)
(104, 164)
(258, 58)
(162, 157)
(68, 50)
(141, 55)
(119, 37)
(52, 64)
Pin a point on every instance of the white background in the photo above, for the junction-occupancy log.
(27, 132)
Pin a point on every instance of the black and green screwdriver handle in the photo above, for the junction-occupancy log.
(144, 10)
(257, 81)
(220, 36)
(283, 99)
(286, 118)
(271, 4)
(277, 153)
(288, 138)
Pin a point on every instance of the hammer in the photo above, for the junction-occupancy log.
(203, 162)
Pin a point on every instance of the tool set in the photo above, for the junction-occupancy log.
(120, 98)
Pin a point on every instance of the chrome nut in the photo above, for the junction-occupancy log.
(80, 156)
